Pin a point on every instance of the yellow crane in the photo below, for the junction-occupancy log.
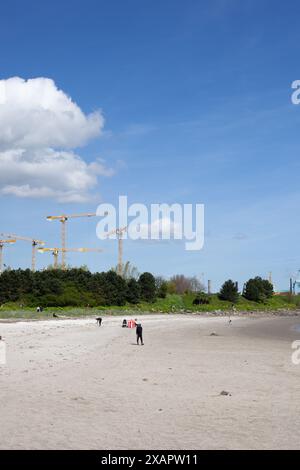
(63, 219)
(34, 243)
(2, 243)
(56, 251)
(119, 232)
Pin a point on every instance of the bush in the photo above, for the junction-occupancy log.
(229, 291)
(114, 289)
(201, 299)
(162, 290)
(258, 290)
(133, 295)
(147, 284)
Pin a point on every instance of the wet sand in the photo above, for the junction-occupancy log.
(68, 384)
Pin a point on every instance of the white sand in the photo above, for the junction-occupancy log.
(70, 385)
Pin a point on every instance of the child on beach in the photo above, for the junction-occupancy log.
(139, 334)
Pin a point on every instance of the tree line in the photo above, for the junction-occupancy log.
(256, 289)
(76, 287)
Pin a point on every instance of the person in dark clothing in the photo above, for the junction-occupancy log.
(99, 321)
(139, 334)
(124, 324)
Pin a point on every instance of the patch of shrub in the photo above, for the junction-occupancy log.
(201, 299)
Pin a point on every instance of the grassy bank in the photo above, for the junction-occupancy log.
(171, 304)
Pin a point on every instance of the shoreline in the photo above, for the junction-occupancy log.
(284, 313)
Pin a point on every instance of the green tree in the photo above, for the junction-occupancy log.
(258, 289)
(229, 291)
(114, 289)
(161, 286)
(133, 291)
(163, 290)
(147, 285)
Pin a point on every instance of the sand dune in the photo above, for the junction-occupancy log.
(68, 384)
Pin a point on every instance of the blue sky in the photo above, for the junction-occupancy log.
(196, 97)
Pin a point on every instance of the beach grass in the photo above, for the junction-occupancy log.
(173, 303)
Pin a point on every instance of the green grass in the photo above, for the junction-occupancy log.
(173, 303)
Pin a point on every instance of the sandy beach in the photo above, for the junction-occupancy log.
(68, 384)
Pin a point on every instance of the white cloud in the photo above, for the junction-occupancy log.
(49, 173)
(39, 125)
(35, 113)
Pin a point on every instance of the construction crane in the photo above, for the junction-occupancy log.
(2, 243)
(56, 251)
(119, 232)
(63, 219)
(34, 243)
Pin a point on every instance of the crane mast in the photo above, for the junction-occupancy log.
(63, 219)
(119, 232)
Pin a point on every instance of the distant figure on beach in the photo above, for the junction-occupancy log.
(139, 334)
(233, 313)
(99, 321)
(124, 324)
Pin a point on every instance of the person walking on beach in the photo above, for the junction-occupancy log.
(99, 321)
(139, 334)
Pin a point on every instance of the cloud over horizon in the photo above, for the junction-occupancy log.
(39, 127)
